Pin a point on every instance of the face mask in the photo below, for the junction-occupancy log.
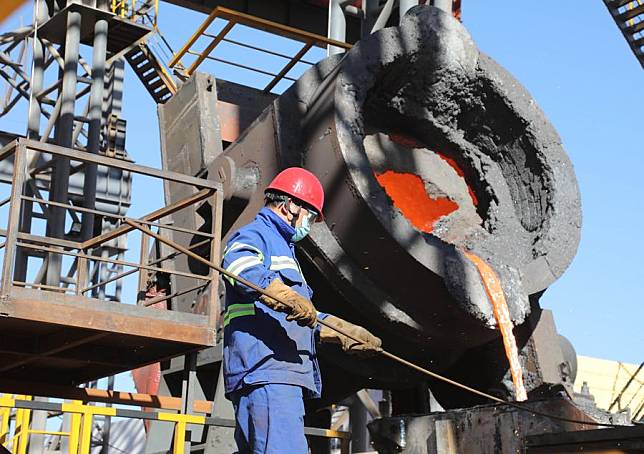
(303, 230)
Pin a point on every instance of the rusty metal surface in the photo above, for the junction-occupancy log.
(72, 338)
(625, 440)
(190, 141)
(492, 429)
(425, 81)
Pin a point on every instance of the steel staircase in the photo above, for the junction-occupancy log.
(151, 72)
(629, 16)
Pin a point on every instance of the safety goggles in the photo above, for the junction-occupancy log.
(313, 215)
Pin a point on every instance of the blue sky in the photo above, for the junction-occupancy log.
(574, 61)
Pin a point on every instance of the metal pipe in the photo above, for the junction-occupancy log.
(337, 27)
(64, 131)
(95, 116)
(37, 73)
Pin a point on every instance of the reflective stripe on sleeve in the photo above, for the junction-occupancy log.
(242, 264)
(237, 245)
(238, 310)
(284, 262)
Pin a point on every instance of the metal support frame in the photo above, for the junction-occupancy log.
(13, 290)
(234, 17)
(85, 252)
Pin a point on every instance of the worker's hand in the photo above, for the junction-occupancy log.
(368, 345)
(299, 308)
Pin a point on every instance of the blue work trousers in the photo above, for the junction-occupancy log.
(270, 420)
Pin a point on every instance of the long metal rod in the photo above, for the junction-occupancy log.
(380, 351)
(162, 298)
(249, 68)
(261, 49)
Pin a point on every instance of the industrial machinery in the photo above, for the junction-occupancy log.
(427, 148)
(443, 179)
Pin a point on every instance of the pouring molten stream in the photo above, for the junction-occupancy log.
(502, 316)
(408, 194)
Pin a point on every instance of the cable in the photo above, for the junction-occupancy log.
(214, 266)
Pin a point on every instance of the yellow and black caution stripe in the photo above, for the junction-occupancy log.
(81, 437)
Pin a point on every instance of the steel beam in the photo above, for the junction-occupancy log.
(64, 132)
(337, 27)
(95, 116)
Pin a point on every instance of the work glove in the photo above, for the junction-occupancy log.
(299, 308)
(370, 344)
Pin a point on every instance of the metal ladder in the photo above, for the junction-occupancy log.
(151, 72)
(629, 17)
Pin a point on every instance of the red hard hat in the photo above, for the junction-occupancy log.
(300, 184)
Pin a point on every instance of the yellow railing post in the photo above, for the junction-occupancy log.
(21, 434)
(179, 438)
(5, 416)
(80, 439)
(74, 430)
(181, 421)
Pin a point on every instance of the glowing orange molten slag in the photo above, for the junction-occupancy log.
(407, 191)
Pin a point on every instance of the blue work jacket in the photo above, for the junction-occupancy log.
(260, 345)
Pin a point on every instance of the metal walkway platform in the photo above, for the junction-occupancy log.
(70, 333)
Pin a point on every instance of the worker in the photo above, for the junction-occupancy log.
(270, 362)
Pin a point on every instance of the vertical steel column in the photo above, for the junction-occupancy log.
(406, 5)
(445, 5)
(107, 421)
(38, 72)
(188, 390)
(17, 186)
(95, 116)
(337, 26)
(41, 14)
(64, 130)
(358, 419)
